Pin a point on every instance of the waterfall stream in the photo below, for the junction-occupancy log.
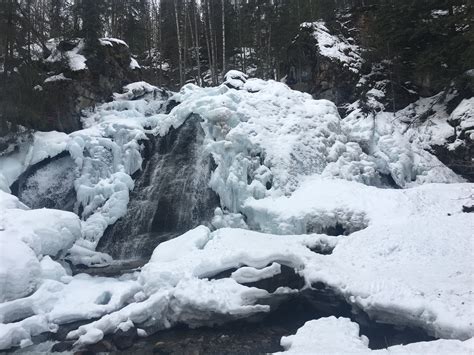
(171, 194)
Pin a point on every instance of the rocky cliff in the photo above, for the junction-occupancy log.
(337, 61)
(64, 79)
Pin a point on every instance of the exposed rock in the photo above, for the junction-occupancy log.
(332, 75)
(70, 79)
(48, 184)
(124, 339)
(468, 209)
(62, 346)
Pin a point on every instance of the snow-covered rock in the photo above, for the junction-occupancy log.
(341, 336)
(26, 237)
(75, 58)
(335, 47)
(44, 145)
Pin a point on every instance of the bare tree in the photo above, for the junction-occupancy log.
(223, 39)
(180, 45)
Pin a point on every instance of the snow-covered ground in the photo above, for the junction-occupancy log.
(295, 170)
(341, 336)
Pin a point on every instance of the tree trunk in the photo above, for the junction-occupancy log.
(223, 40)
(194, 39)
(213, 47)
(180, 47)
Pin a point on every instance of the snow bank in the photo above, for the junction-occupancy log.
(421, 257)
(54, 303)
(341, 336)
(26, 237)
(416, 242)
(418, 239)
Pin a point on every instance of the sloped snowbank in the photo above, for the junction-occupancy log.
(417, 240)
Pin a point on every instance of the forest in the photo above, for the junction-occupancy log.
(203, 39)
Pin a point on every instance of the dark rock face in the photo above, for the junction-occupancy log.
(56, 104)
(459, 159)
(48, 184)
(171, 194)
(324, 78)
(124, 339)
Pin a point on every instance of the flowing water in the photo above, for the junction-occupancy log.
(171, 194)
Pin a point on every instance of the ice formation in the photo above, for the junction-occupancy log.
(287, 167)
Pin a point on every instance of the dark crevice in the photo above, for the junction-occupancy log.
(322, 249)
(468, 209)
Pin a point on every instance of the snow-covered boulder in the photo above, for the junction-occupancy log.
(341, 336)
(26, 237)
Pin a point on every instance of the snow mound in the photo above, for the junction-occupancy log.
(26, 237)
(341, 336)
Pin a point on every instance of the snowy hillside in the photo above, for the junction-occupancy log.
(355, 207)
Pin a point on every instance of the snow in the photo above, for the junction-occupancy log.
(25, 237)
(55, 303)
(134, 64)
(406, 244)
(341, 336)
(107, 152)
(110, 42)
(269, 135)
(464, 113)
(44, 145)
(75, 60)
(59, 77)
(334, 47)
(407, 234)
(288, 167)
